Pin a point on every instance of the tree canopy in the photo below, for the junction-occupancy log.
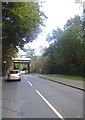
(29, 52)
(20, 24)
(66, 54)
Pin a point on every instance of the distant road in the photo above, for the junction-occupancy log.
(36, 97)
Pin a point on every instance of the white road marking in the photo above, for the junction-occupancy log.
(29, 83)
(55, 111)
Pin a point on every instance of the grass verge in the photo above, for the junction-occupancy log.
(67, 77)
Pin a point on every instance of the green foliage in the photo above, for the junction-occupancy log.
(20, 24)
(55, 35)
(20, 66)
(65, 55)
(29, 52)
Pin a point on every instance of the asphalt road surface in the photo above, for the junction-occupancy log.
(35, 97)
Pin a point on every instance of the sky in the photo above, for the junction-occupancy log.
(58, 12)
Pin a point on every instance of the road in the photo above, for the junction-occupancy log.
(36, 97)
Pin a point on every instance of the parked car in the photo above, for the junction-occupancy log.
(14, 75)
(24, 72)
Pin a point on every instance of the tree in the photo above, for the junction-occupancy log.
(20, 24)
(65, 54)
(55, 35)
(37, 64)
(29, 52)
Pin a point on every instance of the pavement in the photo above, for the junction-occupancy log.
(78, 84)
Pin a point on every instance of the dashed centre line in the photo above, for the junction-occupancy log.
(29, 83)
(55, 111)
(47, 102)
